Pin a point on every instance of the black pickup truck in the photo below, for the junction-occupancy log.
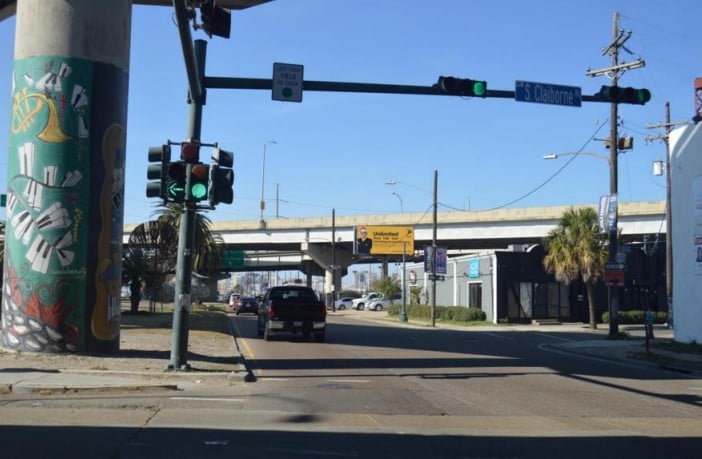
(292, 309)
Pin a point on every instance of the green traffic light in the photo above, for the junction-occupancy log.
(176, 190)
(479, 88)
(198, 190)
(643, 96)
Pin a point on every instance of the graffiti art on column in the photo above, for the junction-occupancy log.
(42, 305)
(105, 317)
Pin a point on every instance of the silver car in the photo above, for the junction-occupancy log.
(343, 303)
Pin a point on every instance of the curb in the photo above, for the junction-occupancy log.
(631, 357)
(58, 389)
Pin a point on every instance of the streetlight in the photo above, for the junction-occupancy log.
(576, 153)
(400, 198)
(433, 238)
(262, 223)
(397, 182)
(613, 307)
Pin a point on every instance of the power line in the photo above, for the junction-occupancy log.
(554, 175)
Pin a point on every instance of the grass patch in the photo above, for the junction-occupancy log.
(205, 317)
(683, 348)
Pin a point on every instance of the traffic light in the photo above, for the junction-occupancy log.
(196, 186)
(620, 95)
(175, 186)
(221, 177)
(190, 151)
(161, 156)
(461, 87)
(215, 20)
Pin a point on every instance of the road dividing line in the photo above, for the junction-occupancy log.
(201, 399)
(548, 335)
(239, 339)
(348, 380)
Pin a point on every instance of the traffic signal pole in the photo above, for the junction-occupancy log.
(195, 65)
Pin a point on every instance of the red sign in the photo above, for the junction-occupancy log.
(614, 278)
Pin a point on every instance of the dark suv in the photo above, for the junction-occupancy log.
(246, 304)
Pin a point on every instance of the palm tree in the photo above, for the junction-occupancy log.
(575, 249)
(207, 248)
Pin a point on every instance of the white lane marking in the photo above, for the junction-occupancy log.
(199, 399)
(272, 379)
(497, 335)
(548, 335)
(349, 380)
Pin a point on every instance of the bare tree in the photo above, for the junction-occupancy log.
(156, 244)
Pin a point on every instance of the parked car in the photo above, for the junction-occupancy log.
(246, 304)
(343, 303)
(360, 303)
(232, 299)
(383, 302)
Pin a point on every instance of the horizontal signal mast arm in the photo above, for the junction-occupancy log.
(336, 86)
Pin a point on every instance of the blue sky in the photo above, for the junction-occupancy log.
(337, 150)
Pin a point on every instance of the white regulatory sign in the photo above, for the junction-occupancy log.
(287, 82)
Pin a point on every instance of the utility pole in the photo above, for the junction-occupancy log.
(433, 252)
(667, 125)
(619, 37)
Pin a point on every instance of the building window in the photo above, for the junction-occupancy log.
(475, 295)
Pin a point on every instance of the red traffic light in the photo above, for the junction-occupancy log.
(190, 152)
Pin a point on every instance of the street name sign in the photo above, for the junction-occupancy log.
(615, 266)
(287, 82)
(546, 93)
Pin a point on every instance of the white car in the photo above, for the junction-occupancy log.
(360, 303)
(383, 302)
(343, 303)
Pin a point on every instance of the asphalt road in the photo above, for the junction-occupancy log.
(382, 390)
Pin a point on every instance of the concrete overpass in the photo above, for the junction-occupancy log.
(9, 7)
(305, 243)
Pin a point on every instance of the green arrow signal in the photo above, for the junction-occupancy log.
(176, 190)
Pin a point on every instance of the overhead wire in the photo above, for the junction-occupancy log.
(554, 175)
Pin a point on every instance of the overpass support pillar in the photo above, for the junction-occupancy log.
(66, 162)
(322, 255)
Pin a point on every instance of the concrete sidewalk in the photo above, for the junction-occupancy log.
(18, 375)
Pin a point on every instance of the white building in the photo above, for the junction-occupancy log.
(686, 197)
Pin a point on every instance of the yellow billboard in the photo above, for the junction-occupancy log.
(372, 240)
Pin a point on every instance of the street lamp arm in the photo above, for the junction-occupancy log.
(398, 182)
(400, 198)
(262, 203)
(576, 153)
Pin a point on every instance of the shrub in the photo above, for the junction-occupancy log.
(636, 317)
(443, 313)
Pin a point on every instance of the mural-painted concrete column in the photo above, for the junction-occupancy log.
(63, 247)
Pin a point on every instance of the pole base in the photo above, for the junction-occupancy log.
(403, 317)
(184, 367)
